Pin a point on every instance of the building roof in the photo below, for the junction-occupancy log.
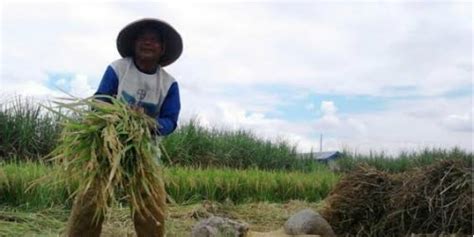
(325, 155)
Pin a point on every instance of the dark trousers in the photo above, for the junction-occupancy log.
(147, 224)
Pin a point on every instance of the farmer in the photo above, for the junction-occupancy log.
(146, 46)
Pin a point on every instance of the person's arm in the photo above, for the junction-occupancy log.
(168, 118)
(108, 84)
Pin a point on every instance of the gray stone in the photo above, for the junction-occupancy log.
(219, 227)
(308, 222)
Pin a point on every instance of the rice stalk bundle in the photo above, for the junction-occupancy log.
(435, 199)
(109, 150)
(358, 204)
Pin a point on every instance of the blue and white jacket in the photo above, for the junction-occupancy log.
(157, 93)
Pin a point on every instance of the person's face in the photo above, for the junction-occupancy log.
(148, 46)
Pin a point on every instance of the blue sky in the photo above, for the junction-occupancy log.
(370, 76)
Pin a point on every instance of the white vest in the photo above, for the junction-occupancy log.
(146, 90)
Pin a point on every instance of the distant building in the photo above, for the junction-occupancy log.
(324, 156)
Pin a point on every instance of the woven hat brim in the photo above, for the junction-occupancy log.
(171, 38)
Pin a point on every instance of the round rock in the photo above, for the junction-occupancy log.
(308, 222)
(219, 226)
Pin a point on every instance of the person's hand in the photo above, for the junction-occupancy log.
(137, 109)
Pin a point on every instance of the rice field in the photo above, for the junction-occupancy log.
(185, 185)
(199, 163)
(206, 171)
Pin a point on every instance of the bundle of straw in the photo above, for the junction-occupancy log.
(109, 149)
(436, 199)
(358, 204)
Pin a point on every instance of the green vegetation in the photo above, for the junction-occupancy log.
(184, 185)
(205, 170)
(240, 186)
(27, 130)
(203, 164)
(194, 145)
(18, 177)
(31, 132)
(404, 161)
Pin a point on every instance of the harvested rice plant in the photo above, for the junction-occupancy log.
(109, 150)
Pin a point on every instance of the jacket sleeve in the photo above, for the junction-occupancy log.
(168, 118)
(108, 85)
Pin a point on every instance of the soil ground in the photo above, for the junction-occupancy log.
(261, 217)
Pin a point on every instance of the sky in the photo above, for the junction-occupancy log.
(378, 76)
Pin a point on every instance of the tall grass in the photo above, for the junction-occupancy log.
(29, 131)
(194, 145)
(26, 129)
(402, 162)
(183, 184)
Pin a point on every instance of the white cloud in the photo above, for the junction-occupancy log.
(75, 38)
(459, 123)
(229, 115)
(232, 51)
(359, 127)
(394, 129)
(29, 88)
(445, 124)
(329, 119)
(80, 86)
(328, 108)
(61, 83)
(328, 122)
(330, 48)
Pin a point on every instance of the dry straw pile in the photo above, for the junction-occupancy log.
(110, 149)
(436, 199)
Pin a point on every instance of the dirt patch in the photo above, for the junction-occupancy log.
(262, 218)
